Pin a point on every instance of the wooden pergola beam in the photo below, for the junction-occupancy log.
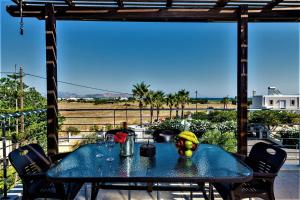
(221, 4)
(154, 14)
(16, 2)
(169, 3)
(120, 3)
(69, 2)
(272, 4)
(51, 69)
(242, 80)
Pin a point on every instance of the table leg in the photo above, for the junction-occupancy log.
(191, 192)
(202, 188)
(157, 192)
(211, 192)
(94, 191)
(129, 193)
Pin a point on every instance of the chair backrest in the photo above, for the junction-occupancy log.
(167, 135)
(29, 159)
(266, 158)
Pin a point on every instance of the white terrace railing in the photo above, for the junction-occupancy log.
(85, 117)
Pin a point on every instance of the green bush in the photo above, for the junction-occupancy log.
(226, 140)
(200, 126)
(216, 116)
(272, 118)
(73, 130)
(170, 124)
(290, 136)
(10, 179)
(228, 126)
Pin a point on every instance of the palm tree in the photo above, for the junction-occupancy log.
(139, 92)
(159, 98)
(225, 101)
(171, 100)
(183, 96)
(176, 103)
(149, 100)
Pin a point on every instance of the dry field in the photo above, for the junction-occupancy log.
(84, 120)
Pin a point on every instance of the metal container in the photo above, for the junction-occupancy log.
(127, 148)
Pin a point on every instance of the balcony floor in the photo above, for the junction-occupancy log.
(286, 188)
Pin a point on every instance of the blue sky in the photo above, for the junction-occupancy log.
(168, 56)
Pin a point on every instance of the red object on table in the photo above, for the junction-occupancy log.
(120, 137)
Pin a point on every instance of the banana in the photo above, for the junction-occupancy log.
(189, 136)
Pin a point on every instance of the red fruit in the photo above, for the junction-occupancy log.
(178, 144)
(181, 152)
(181, 143)
(194, 147)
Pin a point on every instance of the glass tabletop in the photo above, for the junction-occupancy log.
(209, 163)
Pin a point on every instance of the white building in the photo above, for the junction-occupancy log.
(275, 100)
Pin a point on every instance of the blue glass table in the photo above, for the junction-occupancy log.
(209, 163)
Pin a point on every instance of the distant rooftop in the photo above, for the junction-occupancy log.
(273, 91)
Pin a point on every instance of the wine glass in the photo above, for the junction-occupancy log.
(110, 144)
(100, 141)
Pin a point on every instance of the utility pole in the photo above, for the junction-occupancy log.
(196, 101)
(21, 99)
(16, 87)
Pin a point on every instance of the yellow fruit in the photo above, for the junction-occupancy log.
(189, 136)
(188, 153)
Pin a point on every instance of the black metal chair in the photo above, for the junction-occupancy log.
(162, 136)
(265, 161)
(31, 164)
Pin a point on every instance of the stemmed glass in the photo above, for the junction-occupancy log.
(110, 145)
(100, 142)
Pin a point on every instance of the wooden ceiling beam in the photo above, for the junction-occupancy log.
(154, 14)
(69, 2)
(120, 3)
(221, 3)
(16, 2)
(272, 5)
(169, 3)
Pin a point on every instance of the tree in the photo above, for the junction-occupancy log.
(149, 100)
(159, 98)
(177, 103)
(8, 93)
(183, 96)
(36, 129)
(272, 118)
(225, 102)
(140, 91)
(170, 100)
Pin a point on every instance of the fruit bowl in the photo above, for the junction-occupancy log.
(186, 143)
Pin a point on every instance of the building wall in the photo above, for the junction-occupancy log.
(275, 102)
(257, 102)
(281, 102)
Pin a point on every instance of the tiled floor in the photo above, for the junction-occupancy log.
(286, 188)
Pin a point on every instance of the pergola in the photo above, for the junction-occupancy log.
(240, 11)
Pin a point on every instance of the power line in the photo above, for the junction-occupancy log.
(83, 86)
(73, 84)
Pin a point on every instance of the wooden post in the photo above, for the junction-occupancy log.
(242, 70)
(22, 127)
(51, 65)
(114, 118)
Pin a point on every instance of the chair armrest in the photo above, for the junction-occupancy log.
(58, 156)
(36, 176)
(260, 175)
(239, 156)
